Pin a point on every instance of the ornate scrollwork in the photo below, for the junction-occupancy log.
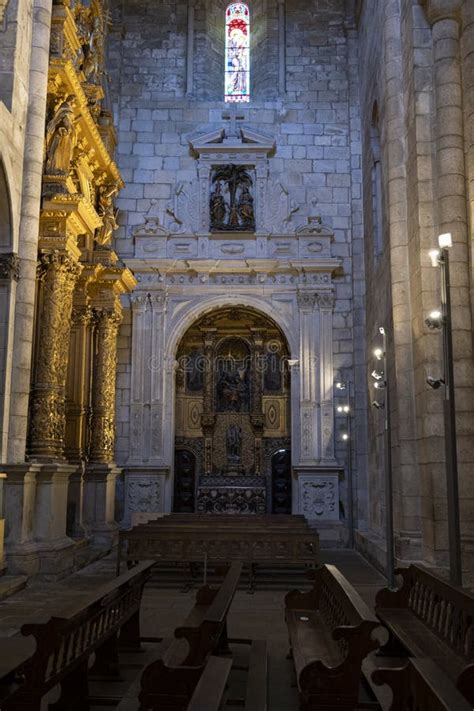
(10, 266)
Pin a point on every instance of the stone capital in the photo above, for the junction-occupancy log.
(10, 267)
(437, 10)
(306, 300)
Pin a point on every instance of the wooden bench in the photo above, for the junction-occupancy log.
(330, 630)
(100, 623)
(253, 543)
(421, 685)
(429, 618)
(182, 672)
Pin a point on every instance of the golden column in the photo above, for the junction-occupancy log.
(58, 275)
(103, 386)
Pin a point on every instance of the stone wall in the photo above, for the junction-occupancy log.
(315, 125)
(414, 77)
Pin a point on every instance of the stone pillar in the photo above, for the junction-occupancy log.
(29, 229)
(190, 49)
(445, 17)
(326, 378)
(468, 98)
(308, 379)
(101, 472)
(9, 276)
(58, 275)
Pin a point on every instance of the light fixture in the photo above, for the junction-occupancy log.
(379, 385)
(434, 383)
(377, 375)
(340, 408)
(378, 405)
(345, 436)
(434, 255)
(434, 320)
(346, 408)
(378, 353)
(445, 240)
(341, 386)
(292, 362)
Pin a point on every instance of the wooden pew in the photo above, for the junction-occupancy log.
(428, 617)
(420, 685)
(252, 542)
(186, 672)
(15, 652)
(170, 680)
(330, 630)
(99, 624)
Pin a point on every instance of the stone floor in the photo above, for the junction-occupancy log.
(259, 615)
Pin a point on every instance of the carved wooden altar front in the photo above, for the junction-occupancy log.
(232, 413)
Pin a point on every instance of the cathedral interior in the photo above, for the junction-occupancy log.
(236, 345)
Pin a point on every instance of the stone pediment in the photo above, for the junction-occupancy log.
(245, 141)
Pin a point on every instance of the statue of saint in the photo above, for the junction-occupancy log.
(234, 444)
(61, 137)
(230, 389)
(218, 207)
(108, 214)
(246, 212)
(92, 52)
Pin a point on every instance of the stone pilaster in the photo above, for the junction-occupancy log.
(326, 383)
(308, 380)
(58, 274)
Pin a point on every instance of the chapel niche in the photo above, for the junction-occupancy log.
(232, 414)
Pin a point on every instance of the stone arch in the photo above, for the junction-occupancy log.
(184, 321)
(6, 223)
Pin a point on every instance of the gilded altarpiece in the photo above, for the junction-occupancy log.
(232, 413)
(80, 282)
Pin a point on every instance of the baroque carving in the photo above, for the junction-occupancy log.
(61, 137)
(231, 202)
(107, 213)
(143, 494)
(58, 274)
(320, 497)
(10, 266)
(306, 300)
(104, 378)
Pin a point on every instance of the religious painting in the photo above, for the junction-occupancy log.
(237, 71)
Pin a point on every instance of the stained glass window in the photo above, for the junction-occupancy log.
(237, 52)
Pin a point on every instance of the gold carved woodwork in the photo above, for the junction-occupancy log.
(103, 386)
(58, 274)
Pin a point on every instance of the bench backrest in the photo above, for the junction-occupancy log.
(203, 639)
(65, 640)
(446, 610)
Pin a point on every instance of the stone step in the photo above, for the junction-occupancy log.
(10, 584)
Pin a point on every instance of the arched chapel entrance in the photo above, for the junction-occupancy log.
(232, 416)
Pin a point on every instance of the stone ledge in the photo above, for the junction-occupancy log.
(11, 584)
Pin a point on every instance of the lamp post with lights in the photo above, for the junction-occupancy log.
(346, 409)
(442, 319)
(382, 383)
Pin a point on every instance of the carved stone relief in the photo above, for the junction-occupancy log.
(319, 497)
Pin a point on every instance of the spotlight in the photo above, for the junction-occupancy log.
(341, 386)
(434, 255)
(340, 408)
(345, 436)
(434, 320)
(346, 408)
(434, 383)
(378, 353)
(379, 385)
(445, 241)
(378, 405)
(377, 375)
